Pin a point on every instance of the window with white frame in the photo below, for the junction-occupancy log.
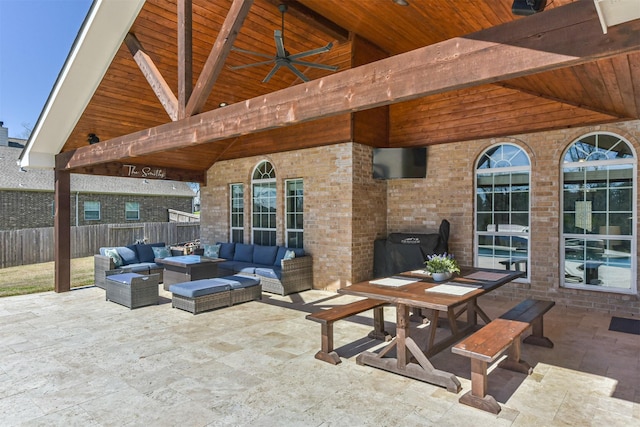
(92, 211)
(502, 208)
(598, 245)
(263, 206)
(294, 215)
(236, 208)
(132, 211)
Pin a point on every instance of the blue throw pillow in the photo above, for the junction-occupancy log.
(289, 255)
(115, 257)
(211, 251)
(128, 254)
(145, 253)
(161, 252)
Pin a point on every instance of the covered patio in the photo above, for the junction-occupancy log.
(75, 359)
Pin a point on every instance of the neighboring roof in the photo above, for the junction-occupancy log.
(17, 142)
(12, 177)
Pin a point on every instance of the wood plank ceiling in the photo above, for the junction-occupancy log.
(598, 92)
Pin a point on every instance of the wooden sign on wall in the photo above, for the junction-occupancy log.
(135, 171)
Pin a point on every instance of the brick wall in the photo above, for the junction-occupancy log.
(448, 193)
(345, 209)
(34, 209)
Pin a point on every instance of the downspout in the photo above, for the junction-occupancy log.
(77, 193)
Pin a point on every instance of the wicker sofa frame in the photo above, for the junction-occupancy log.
(142, 291)
(297, 276)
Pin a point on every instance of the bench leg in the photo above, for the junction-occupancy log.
(378, 332)
(478, 397)
(326, 353)
(537, 336)
(513, 361)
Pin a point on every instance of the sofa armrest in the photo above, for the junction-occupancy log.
(101, 264)
(297, 263)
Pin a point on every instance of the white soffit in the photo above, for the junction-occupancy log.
(97, 43)
(614, 12)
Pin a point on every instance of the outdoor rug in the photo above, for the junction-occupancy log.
(620, 324)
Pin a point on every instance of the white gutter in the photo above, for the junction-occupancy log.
(101, 35)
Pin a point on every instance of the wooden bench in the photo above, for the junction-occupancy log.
(531, 311)
(486, 345)
(326, 318)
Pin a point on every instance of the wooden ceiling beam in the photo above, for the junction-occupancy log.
(560, 37)
(153, 76)
(185, 55)
(218, 55)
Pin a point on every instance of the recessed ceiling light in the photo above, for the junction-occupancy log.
(401, 2)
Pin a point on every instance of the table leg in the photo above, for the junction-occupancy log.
(406, 348)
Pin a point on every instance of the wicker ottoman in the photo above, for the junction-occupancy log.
(208, 294)
(132, 290)
(200, 295)
(243, 287)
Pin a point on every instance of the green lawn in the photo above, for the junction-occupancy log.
(28, 279)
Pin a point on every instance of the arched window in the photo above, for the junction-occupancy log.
(263, 206)
(598, 214)
(502, 208)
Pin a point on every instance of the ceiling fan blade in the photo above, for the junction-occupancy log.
(277, 35)
(315, 65)
(250, 52)
(254, 64)
(323, 49)
(272, 72)
(297, 72)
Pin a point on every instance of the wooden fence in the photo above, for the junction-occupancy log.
(36, 245)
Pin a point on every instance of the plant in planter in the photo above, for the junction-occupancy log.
(441, 266)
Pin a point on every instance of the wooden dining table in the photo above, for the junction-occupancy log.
(416, 290)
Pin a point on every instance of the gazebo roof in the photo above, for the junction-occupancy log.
(447, 70)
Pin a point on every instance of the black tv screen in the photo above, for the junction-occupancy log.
(393, 163)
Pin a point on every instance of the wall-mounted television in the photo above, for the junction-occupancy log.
(393, 163)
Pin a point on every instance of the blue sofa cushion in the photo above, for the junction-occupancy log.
(265, 255)
(280, 256)
(128, 254)
(243, 253)
(123, 277)
(274, 272)
(227, 250)
(238, 281)
(244, 267)
(145, 252)
(198, 288)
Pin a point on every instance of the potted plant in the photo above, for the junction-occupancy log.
(441, 266)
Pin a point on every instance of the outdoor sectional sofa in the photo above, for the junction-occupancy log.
(138, 258)
(279, 272)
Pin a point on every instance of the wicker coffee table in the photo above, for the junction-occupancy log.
(186, 268)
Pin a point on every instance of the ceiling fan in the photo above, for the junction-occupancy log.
(283, 57)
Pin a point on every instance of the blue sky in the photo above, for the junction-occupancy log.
(35, 39)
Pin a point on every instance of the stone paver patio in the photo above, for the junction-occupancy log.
(75, 359)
